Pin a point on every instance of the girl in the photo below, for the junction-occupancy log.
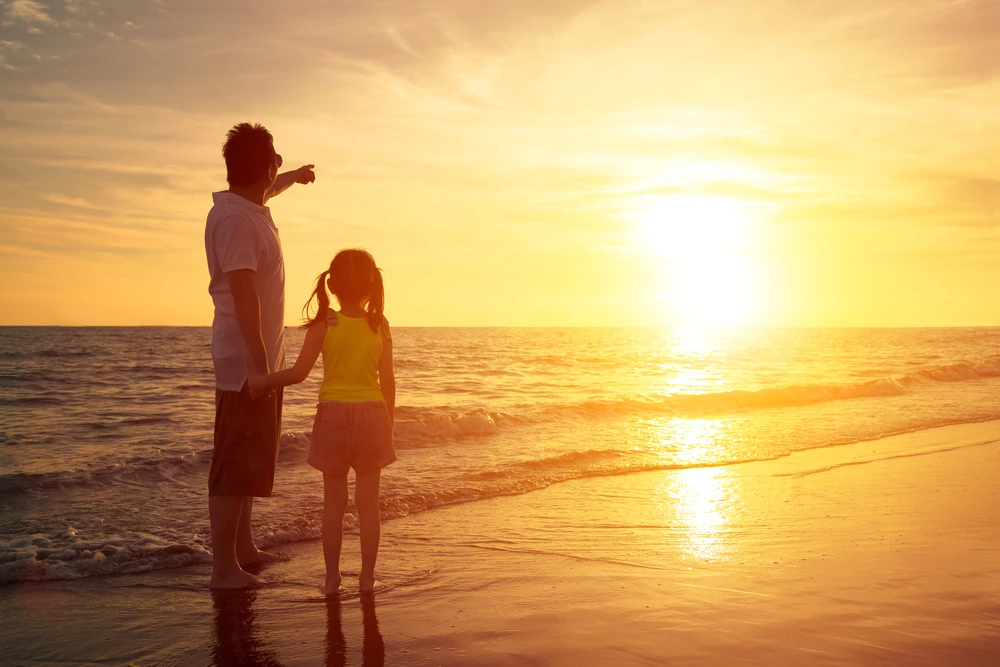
(355, 415)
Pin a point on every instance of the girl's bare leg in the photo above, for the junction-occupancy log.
(334, 506)
(366, 500)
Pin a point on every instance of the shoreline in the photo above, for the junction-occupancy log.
(881, 552)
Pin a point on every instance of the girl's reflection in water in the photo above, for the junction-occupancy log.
(336, 645)
(373, 648)
(238, 641)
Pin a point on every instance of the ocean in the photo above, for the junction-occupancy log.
(106, 433)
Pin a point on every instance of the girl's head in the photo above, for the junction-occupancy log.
(355, 280)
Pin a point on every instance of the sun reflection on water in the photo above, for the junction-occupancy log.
(698, 502)
(692, 341)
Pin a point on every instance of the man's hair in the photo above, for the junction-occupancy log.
(249, 153)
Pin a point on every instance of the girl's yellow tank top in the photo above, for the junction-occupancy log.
(351, 352)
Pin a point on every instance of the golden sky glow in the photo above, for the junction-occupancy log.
(521, 163)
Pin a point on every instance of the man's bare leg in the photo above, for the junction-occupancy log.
(366, 500)
(225, 512)
(334, 506)
(247, 552)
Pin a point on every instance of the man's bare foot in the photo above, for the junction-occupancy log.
(234, 580)
(366, 582)
(257, 557)
(331, 588)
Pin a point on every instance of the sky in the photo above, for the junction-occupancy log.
(615, 163)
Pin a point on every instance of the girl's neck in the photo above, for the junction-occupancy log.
(352, 310)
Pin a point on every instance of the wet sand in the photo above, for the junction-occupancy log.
(880, 553)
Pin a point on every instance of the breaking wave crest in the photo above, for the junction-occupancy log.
(790, 396)
(67, 556)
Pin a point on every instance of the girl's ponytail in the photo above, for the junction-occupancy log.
(376, 303)
(322, 300)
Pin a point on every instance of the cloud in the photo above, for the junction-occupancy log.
(77, 7)
(30, 11)
(76, 202)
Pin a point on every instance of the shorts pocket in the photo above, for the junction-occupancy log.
(254, 419)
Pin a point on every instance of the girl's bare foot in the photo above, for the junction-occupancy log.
(332, 586)
(234, 580)
(366, 582)
(257, 557)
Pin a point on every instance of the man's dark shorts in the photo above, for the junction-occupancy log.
(247, 435)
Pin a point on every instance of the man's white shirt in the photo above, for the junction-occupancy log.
(241, 235)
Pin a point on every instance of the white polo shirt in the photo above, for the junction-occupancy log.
(241, 235)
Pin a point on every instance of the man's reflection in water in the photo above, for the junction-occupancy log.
(373, 648)
(237, 641)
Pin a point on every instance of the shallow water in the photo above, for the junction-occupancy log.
(105, 434)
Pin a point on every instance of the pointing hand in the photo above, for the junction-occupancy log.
(305, 174)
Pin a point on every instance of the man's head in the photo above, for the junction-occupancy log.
(250, 156)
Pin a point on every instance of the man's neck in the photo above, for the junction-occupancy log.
(252, 193)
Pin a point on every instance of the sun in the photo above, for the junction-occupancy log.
(704, 244)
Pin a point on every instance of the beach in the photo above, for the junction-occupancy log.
(883, 552)
(694, 355)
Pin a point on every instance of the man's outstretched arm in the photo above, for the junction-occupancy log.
(286, 180)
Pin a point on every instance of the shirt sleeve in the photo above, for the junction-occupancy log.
(237, 244)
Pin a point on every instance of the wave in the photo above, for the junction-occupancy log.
(888, 457)
(737, 400)
(959, 372)
(417, 428)
(420, 428)
(145, 421)
(66, 556)
(32, 400)
(40, 558)
(64, 353)
(423, 431)
(136, 469)
(16, 379)
(740, 400)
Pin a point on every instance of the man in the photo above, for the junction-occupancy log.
(248, 289)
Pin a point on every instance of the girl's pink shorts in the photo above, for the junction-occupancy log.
(351, 435)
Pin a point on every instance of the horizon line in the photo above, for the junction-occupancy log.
(526, 326)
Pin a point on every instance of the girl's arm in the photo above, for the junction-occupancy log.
(386, 374)
(300, 371)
